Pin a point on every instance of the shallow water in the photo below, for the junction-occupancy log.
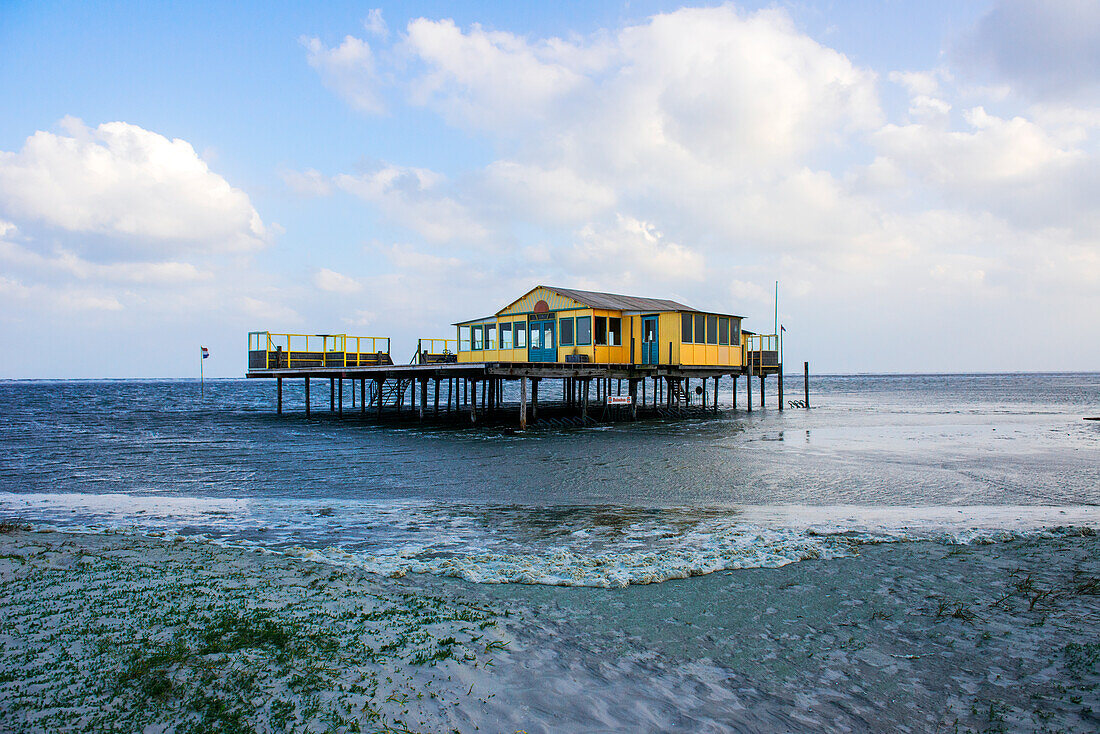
(879, 458)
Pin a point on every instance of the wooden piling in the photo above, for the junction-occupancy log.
(437, 396)
(362, 396)
(472, 390)
(780, 386)
(734, 391)
(341, 381)
(279, 395)
(380, 384)
(523, 403)
(715, 394)
(332, 394)
(423, 397)
(534, 399)
(806, 382)
(748, 391)
(307, 397)
(584, 405)
(761, 391)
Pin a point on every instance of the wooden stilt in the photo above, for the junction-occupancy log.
(761, 391)
(806, 382)
(534, 400)
(332, 394)
(307, 396)
(633, 388)
(780, 385)
(748, 391)
(380, 384)
(363, 395)
(715, 394)
(472, 390)
(423, 397)
(437, 396)
(523, 403)
(734, 391)
(279, 395)
(341, 402)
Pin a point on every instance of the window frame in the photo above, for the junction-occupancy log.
(466, 340)
(600, 322)
(490, 337)
(572, 331)
(735, 328)
(700, 329)
(723, 331)
(505, 327)
(519, 332)
(687, 327)
(477, 339)
(617, 332)
(587, 321)
(712, 329)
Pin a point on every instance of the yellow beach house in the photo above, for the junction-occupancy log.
(550, 324)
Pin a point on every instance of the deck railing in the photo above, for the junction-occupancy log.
(435, 351)
(761, 352)
(267, 350)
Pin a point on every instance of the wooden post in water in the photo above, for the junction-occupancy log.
(341, 396)
(423, 397)
(437, 396)
(715, 394)
(761, 391)
(307, 396)
(632, 388)
(806, 381)
(643, 391)
(279, 395)
(748, 390)
(780, 376)
(362, 396)
(523, 403)
(380, 383)
(734, 378)
(534, 400)
(473, 403)
(332, 394)
(584, 405)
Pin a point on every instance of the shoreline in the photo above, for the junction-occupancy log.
(178, 636)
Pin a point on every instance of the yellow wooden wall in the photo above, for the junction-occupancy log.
(668, 333)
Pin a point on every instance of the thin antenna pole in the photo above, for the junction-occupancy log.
(776, 327)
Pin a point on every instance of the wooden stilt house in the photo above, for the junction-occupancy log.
(549, 324)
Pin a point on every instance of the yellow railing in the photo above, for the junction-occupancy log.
(434, 350)
(267, 350)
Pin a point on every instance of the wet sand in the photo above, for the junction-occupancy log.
(152, 635)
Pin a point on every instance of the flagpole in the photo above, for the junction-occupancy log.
(202, 379)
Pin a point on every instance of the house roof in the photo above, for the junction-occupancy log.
(616, 302)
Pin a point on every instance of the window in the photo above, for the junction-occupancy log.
(565, 332)
(584, 330)
(464, 338)
(601, 331)
(712, 329)
(520, 328)
(685, 328)
(491, 336)
(506, 335)
(615, 332)
(735, 332)
(700, 329)
(478, 345)
(724, 330)
(536, 335)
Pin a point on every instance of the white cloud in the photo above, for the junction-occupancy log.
(124, 181)
(375, 24)
(349, 70)
(634, 252)
(333, 282)
(268, 311)
(554, 196)
(414, 197)
(1046, 50)
(310, 182)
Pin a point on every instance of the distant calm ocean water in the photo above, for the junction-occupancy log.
(880, 458)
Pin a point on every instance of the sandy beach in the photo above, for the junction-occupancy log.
(129, 633)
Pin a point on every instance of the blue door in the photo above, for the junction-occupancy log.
(540, 340)
(651, 348)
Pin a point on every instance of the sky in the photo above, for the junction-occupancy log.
(921, 178)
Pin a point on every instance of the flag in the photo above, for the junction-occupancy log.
(782, 328)
(205, 352)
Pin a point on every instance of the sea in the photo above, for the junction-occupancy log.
(952, 459)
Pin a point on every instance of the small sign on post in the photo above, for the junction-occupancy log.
(618, 400)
